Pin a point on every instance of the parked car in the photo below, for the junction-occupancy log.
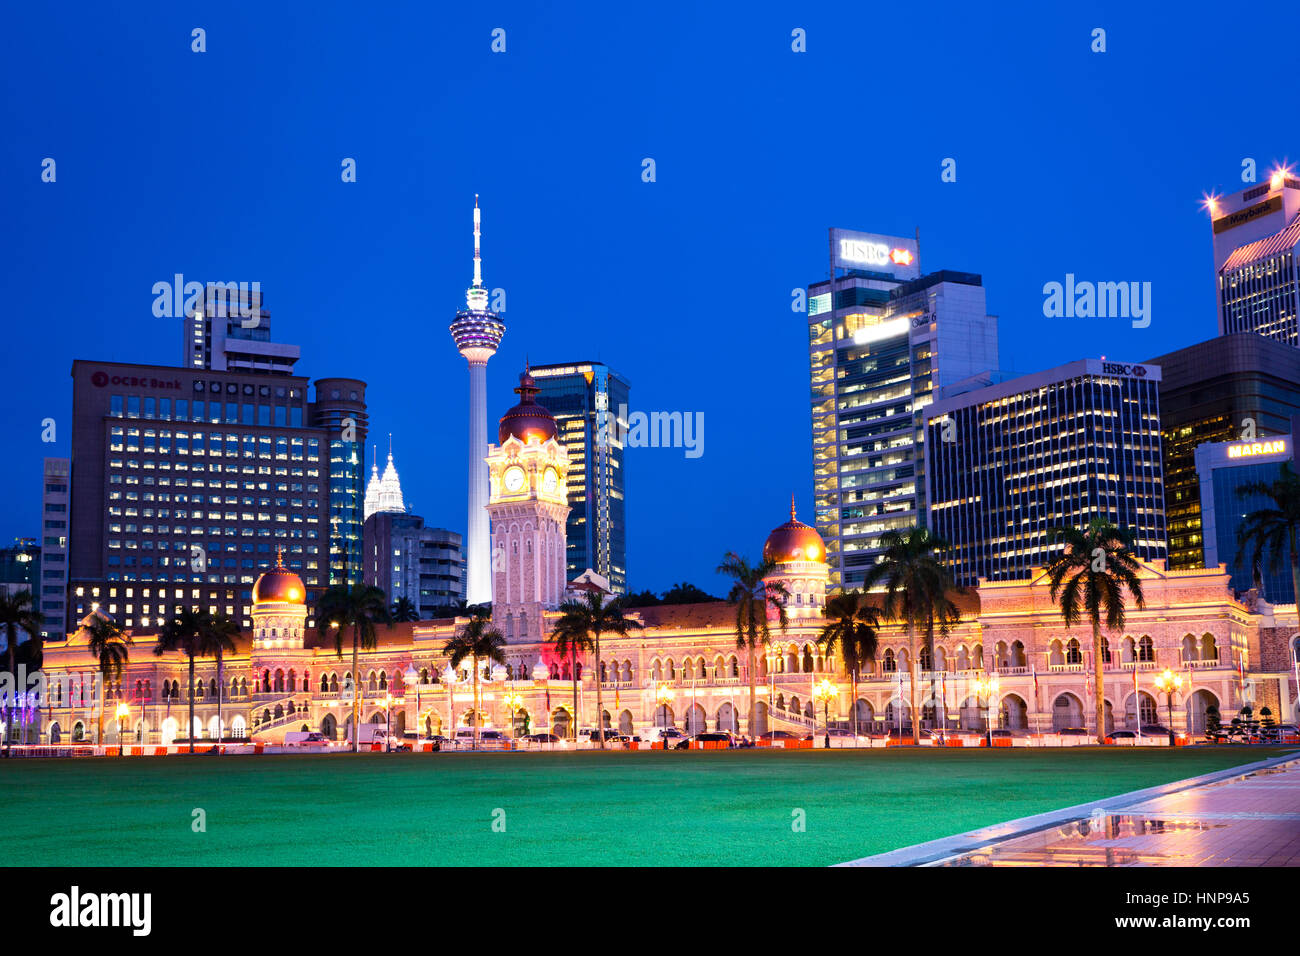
(723, 737)
(1003, 733)
(777, 735)
(1073, 731)
(544, 739)
(297, 738)
(1154, 730)
(1115, 735)
(657, 736)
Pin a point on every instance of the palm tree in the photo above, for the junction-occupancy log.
(752, 599)
(1089, 577)
(579, 628)
(217, 639)
(107, 643)
(17, 613)
(916, 584)
(851, 625)
(403, 610)
(479, 641)
(1273, 529)
(359, 608)
(185, 633)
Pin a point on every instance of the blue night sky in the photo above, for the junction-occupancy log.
(225, 165)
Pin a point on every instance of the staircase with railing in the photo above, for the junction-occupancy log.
(298, 715)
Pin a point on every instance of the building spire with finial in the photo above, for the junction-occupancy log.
(279, 557)
(792, 515)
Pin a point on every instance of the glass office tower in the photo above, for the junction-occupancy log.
(882, 340)
(1010, 462)
(586, 399)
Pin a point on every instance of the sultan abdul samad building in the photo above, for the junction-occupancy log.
(283, 677)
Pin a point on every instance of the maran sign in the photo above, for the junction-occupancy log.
(1252, 448)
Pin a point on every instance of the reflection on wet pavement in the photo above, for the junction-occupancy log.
(1253, 820)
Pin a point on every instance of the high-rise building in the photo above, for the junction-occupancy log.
(184, 482)
(1224, 470)
(56, 505)
(882, 340)
(1256, 232)
(232, 332)
(1234, 387)
(1010, 462)
(404, 559)
(383, 493)
(477, 333)
(587, 399)
(20, 568)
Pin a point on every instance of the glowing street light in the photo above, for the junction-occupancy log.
(388, 722)
(514, 700)
(665, 697)
(123, 712)
(825, 692)
(1169, 682)
(986, 687)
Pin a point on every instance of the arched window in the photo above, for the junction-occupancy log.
(1146, 650)
(891, 663)
(324, 684)
(1209, 647)
(807, 660)
(383, 680)
(1073, 654)
(926, 663)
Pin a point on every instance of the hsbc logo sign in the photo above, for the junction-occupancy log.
(873, 253)
(1114, 368)
(102, 379)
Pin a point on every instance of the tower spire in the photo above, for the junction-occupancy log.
(476, 297)
(792, 516)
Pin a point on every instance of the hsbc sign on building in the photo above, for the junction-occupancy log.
(892, 255)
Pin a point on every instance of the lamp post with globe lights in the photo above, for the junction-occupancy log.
(449, 678)
(986, 687)
(665, 697)
(388, 722)
(513, 700)
(824, 693)
(1168, 682)
(123, 712)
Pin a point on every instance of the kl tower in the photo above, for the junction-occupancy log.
(477, 333)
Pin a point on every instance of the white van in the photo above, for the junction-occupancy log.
(302, 738)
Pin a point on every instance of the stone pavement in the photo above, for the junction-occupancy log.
(1246, 816)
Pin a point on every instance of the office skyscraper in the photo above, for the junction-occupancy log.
(882, 340)
(184, 482)
(55, 508)
(586, 399)
(1231, 388)
(1009, 462)
(477, 333)
(404, 559)
(1256, 232)
(232, 332)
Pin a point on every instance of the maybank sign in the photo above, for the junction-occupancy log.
(1255, 448)
(893, 255)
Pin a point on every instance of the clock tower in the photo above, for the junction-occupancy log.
(528, 505)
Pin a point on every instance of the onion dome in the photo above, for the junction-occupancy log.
(527, 421)
(794, 541)
(279, 585)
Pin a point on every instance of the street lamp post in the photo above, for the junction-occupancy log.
(825, 692)
(514, 700)
(123, 712)
(388, 723)
(986, 687)
(1169, 682)
(665, 697)
(409, 678)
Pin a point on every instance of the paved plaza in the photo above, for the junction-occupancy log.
(1246, 817)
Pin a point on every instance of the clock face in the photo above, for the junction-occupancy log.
(551, 480)
(514, 479)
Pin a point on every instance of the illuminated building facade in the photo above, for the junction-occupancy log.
(1223, 469)
(56, 499)
(185, 481)
(883, 339)
(232, 332)
(586, 399)
(1256, 232)
(1230, 388)
(477, 333)
(1009, 462)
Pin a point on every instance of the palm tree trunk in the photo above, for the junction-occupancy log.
(356, 693)
(600, 705)
(915, 673)
(573, 724)
(221, 689)
(1097, 680)
(853, 675)
(192, 728)
(474, 720)
(1295, 568)
(753, 693)
(10, 640)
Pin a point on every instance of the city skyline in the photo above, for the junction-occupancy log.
(381, 317)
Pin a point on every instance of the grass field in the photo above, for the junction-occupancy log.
(711, 808)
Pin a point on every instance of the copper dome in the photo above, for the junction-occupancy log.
(794, 541)
(279, 586)
(527, 421)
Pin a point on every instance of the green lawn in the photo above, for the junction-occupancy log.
(709, 808)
